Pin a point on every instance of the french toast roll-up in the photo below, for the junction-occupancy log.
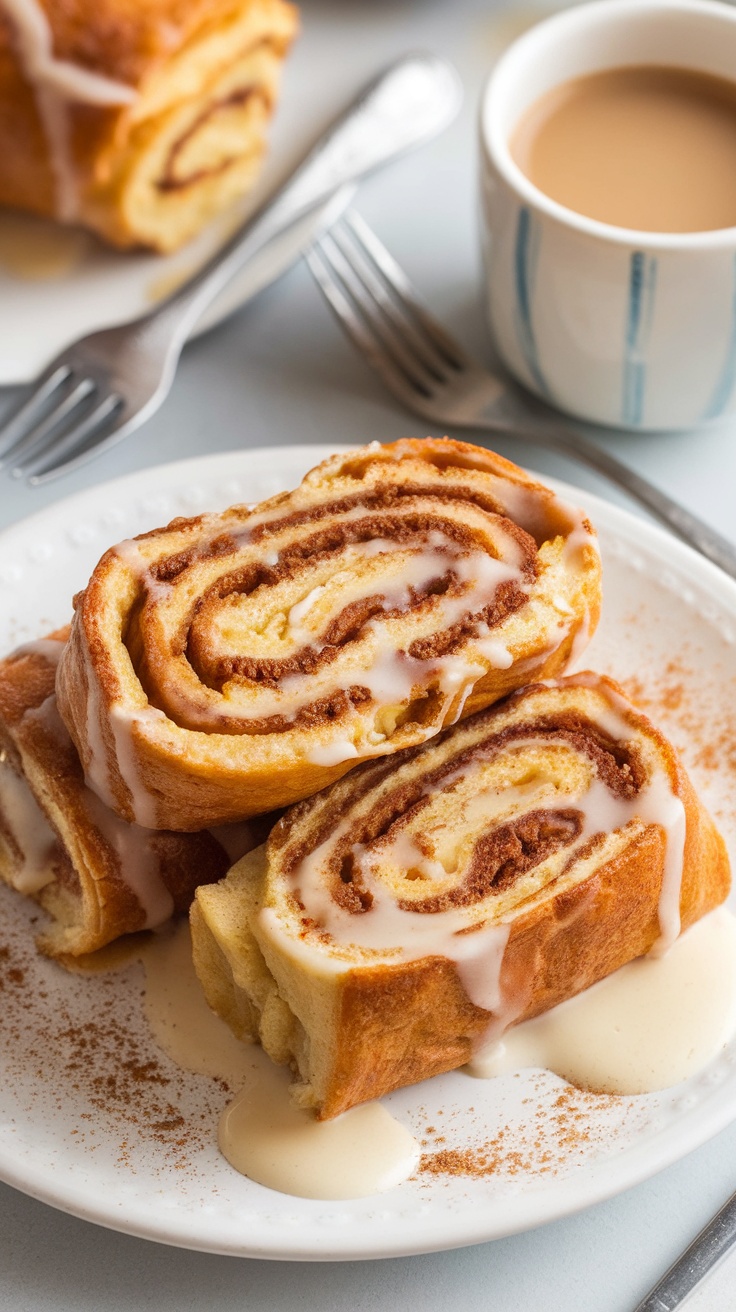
(404, 917)
(140, 121)
(96, 876)
(237, 662)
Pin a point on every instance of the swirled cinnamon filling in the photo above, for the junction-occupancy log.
(173, 178)
(178, 173)
(499, 857)
(444, 577)
(504, 855)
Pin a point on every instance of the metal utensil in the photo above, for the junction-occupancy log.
(108, 383)
(432, 375)
(705, 1251)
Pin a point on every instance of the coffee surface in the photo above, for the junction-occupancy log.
(645, 147)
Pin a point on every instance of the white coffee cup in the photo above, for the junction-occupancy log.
(633, 329)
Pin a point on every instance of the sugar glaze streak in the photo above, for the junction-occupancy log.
(410, 891)
(58, 83)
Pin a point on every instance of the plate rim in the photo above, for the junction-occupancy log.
(571, 1194)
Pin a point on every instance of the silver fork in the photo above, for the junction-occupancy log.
(108, 383)
(433, 376)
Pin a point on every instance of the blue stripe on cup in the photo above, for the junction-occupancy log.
(725, 381)
(640, 310)
(526, 251)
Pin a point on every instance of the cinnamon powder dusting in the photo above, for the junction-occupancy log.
(701, 722)
(76, 1051)
(565, 1127)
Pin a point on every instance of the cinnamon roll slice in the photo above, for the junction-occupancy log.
(235, 663)
(409, 913)
(96, 876)
(140, 121)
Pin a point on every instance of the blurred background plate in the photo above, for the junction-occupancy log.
(58, 284)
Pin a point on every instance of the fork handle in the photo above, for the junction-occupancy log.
(682, 522)
(713, 1242)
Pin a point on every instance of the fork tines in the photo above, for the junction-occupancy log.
(62, 411)
(382, 312)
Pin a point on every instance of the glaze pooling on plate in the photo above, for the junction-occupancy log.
(650, 1025)
(669, 622)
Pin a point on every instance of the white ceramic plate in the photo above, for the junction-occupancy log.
(40, 315)
(96, 1121)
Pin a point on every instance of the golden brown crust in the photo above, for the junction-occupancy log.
(151, 172)
(235, 663)
(354, 1025)
(124, 39)
(58, 844)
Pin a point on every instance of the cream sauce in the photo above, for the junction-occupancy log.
(266, 1137)
(262, 1133)
(650, 1025)
(180, 1021)
(57, 83)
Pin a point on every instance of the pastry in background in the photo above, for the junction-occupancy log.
(237, 662)
(138, 120)
(96, 876)
(403, 917)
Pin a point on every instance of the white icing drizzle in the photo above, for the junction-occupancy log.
(405, 935)
(374, 659)
(651, 1024)
(33, 836)
(657, 804)
(390, 674)
(48, 648)
(98, 767)
(135, 847)
(335, 752)
(122, 724)
(139, 864)
(57, 83)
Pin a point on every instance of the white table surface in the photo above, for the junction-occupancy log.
(280, 372)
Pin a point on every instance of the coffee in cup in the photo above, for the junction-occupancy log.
(643, 146)
(608, 171)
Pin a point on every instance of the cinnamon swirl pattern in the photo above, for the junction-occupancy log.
(235, 663)
(95, 875)
(411, 912)
(139, 121)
